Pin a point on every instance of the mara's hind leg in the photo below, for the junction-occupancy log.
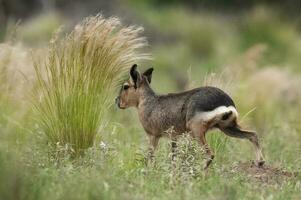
(199, 130)
(236, 131)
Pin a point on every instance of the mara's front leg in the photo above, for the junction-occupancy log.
(173, 148)
(153, 143)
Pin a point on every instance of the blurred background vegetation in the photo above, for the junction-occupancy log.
(249, 48)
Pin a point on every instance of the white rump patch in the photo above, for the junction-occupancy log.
(216, 114)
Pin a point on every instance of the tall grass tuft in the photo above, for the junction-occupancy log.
(76, 83)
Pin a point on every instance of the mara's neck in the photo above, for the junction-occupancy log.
(147, 94)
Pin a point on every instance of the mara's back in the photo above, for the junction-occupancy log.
(205, 98)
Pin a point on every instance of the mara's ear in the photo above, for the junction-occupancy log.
(135, 75)
(148, 73)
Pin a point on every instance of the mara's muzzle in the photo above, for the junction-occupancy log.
(117, 102)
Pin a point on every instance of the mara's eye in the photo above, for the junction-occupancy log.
(125, 87)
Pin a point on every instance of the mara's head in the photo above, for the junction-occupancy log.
(133, 88)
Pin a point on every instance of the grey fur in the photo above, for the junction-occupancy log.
(159, 113)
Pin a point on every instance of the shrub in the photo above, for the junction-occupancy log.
(76, 83)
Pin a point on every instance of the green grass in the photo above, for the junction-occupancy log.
(75, 98)
(116, 170)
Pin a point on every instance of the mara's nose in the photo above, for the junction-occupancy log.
(117, 101)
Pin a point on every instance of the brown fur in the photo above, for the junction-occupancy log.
(160, 113)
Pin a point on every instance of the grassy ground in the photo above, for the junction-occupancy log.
(254, 57)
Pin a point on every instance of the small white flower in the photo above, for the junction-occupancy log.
(103, 145)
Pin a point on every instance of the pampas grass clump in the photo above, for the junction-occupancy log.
(76, 83)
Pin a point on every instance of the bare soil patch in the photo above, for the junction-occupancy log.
(266, 173)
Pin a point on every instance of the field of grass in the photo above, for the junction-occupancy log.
(254, 56)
